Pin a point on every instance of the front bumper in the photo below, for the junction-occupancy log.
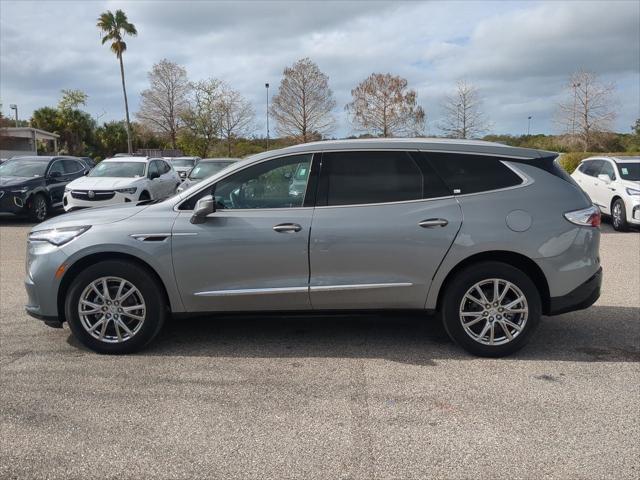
(11, 202)
(70, 203)
(580, 298)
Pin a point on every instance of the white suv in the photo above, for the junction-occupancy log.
(122, 180)
(613, 183)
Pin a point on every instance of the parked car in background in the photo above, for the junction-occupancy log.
(183, 165)
(122, 180)
(489, 236)
(205, 168)
(613, 183)
(89, 161)
(34, 186)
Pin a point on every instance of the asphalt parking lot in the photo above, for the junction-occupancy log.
(344, 397)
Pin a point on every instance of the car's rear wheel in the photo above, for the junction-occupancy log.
(115, 306)
(619, 216)
(38, 208)
(491, 309)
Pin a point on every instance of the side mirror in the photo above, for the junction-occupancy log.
(204, 207)
(154, 175)
(54, 174)
(86, 172)
(604, 177)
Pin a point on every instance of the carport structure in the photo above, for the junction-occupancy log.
(24, 141)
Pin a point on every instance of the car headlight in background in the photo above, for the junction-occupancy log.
(58, 236)
(128, 191)
(633, 191)
(20, 190)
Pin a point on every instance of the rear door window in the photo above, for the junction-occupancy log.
(464, 173)
(365, 177)
(593, 167)
(72, 166)
(607, 169)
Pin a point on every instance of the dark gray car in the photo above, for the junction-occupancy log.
(488, 236)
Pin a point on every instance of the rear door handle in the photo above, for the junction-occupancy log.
(433, 222)
(287, 227)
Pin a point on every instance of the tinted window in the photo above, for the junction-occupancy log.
(607, 169)
(592, 167)
(356, 178)
(154, 171)
(24, 167)
(57, 167)
(163, 167)
(472, 173)
(72, 166)
(206, 169)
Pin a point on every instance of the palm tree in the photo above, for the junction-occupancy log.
(114, 28)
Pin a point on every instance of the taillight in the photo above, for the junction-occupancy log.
(587, 217)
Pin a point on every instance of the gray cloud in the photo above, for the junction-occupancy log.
(518, 53)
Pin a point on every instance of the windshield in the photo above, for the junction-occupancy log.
(118, 169)
(206, 169)
(628, 171)
(24, 167)
(183, 162)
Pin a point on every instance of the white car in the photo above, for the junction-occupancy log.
(183, 165)
(613, 184)
(122, 180)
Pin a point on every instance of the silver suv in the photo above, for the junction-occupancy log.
(488, 236)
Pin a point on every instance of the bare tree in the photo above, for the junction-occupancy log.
(463, 117)
(303, 105)
(383, 105)
(165, 100)
(587, 111)
(202, 116)
(235, 114)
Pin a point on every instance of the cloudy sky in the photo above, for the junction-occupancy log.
(518, 53)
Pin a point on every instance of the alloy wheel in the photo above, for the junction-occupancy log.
(617, 214)
(493, 311)
(111, 309)
(40, 208)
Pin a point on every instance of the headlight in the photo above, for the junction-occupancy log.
(633, 191)
(58, 236)
(128, 191)
(20, 190)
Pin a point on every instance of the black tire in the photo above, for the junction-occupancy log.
(148, 287)
(38, 208)
(619, 216)
(458, 287)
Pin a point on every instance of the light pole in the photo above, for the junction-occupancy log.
(13, 106)
(266, 85)
(529, 125)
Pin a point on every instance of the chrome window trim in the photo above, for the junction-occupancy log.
(525, 178)
(176, 206)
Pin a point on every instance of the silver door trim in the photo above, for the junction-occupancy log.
(251, 291)
(357, 286)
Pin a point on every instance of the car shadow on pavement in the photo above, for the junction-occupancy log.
(599, 334)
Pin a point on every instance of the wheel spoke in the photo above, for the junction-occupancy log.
(513, 303)
(482, 295)
(104, 328)
(116, 325)
(515, 326)
(496, 289)
(132, 308)
(95, 308)
(124, 327)
(119, 292)
(506, 330)
(135, 317)
(484, 331)
(98, 292)
(492, 333)
(474, 299)
(97, 324)
(105, 289)
(128, 294)
(504, 292)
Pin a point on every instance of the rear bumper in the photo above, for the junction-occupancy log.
(579, 298)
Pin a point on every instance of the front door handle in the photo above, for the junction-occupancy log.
(287, 227)
(433, 222)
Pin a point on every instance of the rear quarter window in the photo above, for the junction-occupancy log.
(464, 173)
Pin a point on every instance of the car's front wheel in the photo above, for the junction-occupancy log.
(619, 215)
(491, 309)
(115, 306)
(38, 208)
